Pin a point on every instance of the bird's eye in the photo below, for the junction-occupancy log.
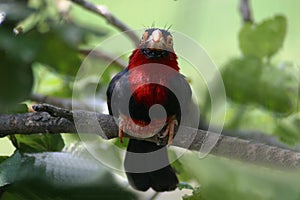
(169, 41)
(144, 37)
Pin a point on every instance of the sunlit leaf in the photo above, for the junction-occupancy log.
(182, 174)
(8, 169)
(288, 129)
(263, 39)
(57, 175)
(195, 196)
(39, 142)
(185, 185)
(249, 81)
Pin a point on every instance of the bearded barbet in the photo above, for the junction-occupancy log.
(151, 78)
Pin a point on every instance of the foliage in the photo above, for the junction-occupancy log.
(263, 39)
(250, 79)
(32, 39)
(47, 41)
(253, 80)
(227, 179)
(39, 53)
(39, 143)
(57, 175)
(197, 195)
(272, 87)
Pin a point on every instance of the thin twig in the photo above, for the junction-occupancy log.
(154, 196)
(105, 13)
(105, 56)
(60, 102)
(245, 11)
(50, 119)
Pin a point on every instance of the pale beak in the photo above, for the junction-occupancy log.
(156, 40)
(156, 36)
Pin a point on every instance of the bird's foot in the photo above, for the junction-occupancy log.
(170, 129)
(121, 134)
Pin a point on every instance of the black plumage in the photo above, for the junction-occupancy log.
(146, 163)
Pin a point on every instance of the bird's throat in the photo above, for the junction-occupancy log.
(139, 57)
(149, 77)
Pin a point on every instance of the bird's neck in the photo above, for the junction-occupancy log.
(137, 58)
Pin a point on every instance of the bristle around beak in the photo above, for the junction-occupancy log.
(156, 43)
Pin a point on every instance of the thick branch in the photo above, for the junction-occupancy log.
(31, 123)
(260, 137)
(246, 135)
(105, 13)
(57, 120)
(245, 11)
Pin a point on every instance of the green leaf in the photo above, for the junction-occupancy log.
(278, 88)
(57, 175)
(39, 142)
(3, 158)
(288, 129)
(8, 169)
(18, 108)
(241, 79)
(263, 39)
(16, 76)
(16, 81)
(58, 54)
(59, 48)
(56, 47)
(195, 196)
(14, 11)
(184, 185)
(249, 81)
(183, 175)
(120, 144)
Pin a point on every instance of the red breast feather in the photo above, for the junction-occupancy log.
(157, 74)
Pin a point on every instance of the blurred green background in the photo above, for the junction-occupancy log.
(262, 85)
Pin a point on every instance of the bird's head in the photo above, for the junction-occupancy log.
(156, 46)
(156, 43)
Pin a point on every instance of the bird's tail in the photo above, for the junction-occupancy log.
(147, 165)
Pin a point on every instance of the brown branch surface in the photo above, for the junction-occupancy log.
(50, 119)
(105, 13)
(246, 135)
(245, 11)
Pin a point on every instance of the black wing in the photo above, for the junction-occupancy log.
(181, 96)
(182, 89)
(119, 84)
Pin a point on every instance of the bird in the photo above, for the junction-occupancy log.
(151, 78)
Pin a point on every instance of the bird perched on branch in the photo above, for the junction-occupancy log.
(151, 78)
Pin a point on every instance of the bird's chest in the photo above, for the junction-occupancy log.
(149, 88)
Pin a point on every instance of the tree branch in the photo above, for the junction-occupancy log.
(106, 57)
(246, 135)
(105, 13)
(60, 102)
(260, 137)
(57, 120)
(245, 11)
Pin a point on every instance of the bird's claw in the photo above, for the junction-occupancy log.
(121, 134)
(170, 130)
